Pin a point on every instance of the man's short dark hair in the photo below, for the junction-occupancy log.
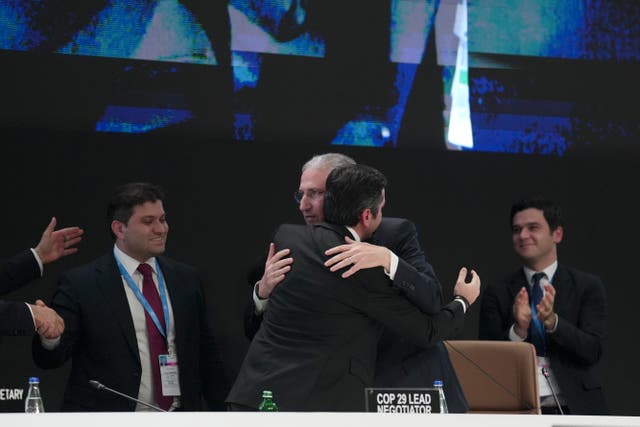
(550, 210)
(350, 190)
(125, 197)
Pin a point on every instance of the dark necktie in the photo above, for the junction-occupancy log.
(157, 343)
(536, 329)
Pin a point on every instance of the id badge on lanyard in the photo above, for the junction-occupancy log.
(169, 374)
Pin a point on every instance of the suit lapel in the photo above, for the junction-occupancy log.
(110, 284)
(518, 280)
(563, 289)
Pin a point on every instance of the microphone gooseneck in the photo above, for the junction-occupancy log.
(545, 374)
(99, 386)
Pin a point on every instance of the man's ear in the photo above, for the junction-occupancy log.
(365, 217)
(557, 234)
(117, 227)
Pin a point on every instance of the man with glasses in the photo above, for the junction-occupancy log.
(316, 347)
(395, 247)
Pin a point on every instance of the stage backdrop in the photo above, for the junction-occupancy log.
(225, 200)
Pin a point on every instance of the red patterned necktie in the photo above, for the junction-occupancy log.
(157, 343)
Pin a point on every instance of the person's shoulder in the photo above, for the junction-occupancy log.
(288, 231)
(329, 234)
(95, 264)
(390, 221)
(507, 280)
(81, 273)
(579, 276)
(176, 265)
(393, 226)
(291, 227)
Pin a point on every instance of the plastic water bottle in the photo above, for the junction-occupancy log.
(437, 384)
(33, 404)
(267, 405)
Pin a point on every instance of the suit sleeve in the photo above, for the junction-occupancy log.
(66, 304)
(496, 315)
(17, 271)
(583, 341)
(415, 276)
(395, 312)
(252, 320)
(15, 319)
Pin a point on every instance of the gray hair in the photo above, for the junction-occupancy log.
(328, 161)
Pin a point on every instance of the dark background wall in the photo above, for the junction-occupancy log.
(225, 199)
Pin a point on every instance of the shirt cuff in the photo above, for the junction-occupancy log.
(513, 336)
(49, 344)
(464, 306)
(555, 325)
(35, 255)
(260, 304)
(35, 328)
(393, 266)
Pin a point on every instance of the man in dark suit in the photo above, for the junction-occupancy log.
(136, 320)
(18, 318)
(316, 346)
(567, 325)
(394, 246)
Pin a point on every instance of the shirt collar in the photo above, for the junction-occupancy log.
(549, 271)
(131, 264)
(354, 233)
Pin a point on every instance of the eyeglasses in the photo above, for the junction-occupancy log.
(311, 194)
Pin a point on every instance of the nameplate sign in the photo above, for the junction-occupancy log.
(402, 400)
(12, 397)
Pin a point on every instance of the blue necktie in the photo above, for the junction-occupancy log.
(536, 329)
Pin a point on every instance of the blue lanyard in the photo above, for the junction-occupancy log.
(143, 300)
(536, 322)
(538, 327)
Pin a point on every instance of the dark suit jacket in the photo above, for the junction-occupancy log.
(100, 338)
(316, 347)
(17, 271)
(575, 348)
(401, 363)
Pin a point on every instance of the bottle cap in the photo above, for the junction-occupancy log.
(34, 380)
(437, 383)
(267, 393)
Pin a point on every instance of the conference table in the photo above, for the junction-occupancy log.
(305, 419)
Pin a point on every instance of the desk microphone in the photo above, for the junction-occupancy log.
(99, 386)
(545, 374)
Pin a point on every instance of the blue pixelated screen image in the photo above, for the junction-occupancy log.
(535, 77)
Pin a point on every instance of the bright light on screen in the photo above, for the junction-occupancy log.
(536, 76)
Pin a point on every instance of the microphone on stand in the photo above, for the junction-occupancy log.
(99, 386)
(545, 374)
